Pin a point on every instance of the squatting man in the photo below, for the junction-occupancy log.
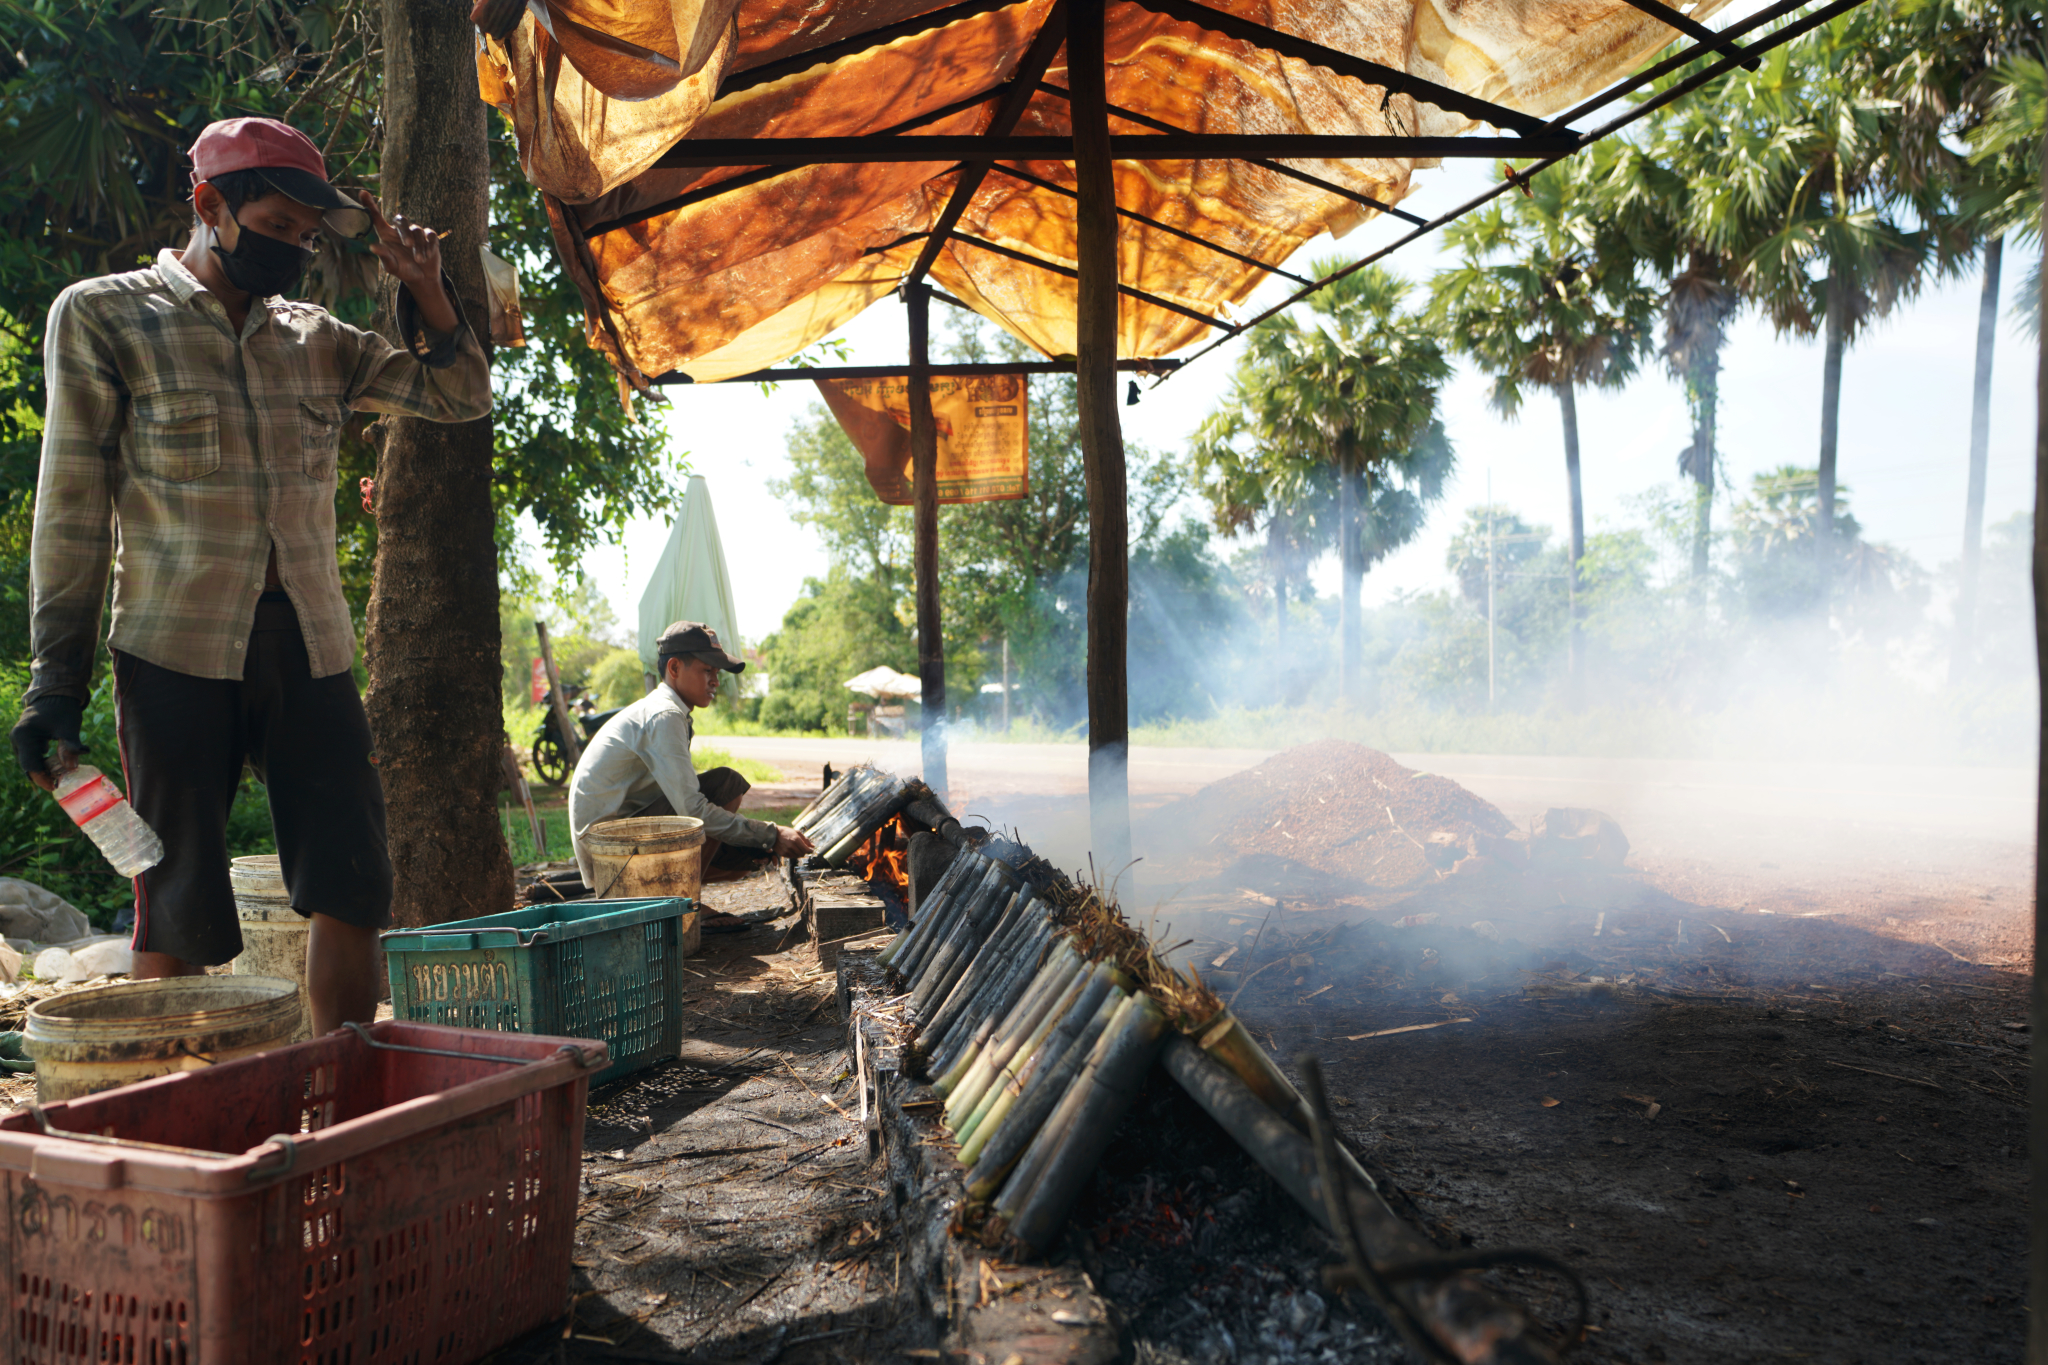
(639, 764)
(194, 417)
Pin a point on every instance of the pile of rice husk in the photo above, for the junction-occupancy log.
(1335, 806)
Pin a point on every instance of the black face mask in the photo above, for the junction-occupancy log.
(262, 265)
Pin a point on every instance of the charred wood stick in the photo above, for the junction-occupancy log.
(1455, 1306)
(1107, 1094)
(1002, 1099)
(1004, 1143)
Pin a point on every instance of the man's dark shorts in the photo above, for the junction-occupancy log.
(183, 743)
(721, 787)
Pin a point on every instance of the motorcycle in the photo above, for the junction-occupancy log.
(550, 757)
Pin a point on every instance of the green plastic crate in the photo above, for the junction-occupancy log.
(587, 969)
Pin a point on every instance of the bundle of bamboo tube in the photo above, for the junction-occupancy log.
(848, 812)
(1033, 1012)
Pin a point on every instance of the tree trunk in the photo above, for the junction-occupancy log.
(1980, 444)
(924, 479)
(1350, 551)
(1575, 660)
(1102, 441)
(1706, 401)
(1836, 333)
(2037, 1008)
(432, 646)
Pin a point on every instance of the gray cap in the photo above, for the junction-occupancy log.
(694, 639)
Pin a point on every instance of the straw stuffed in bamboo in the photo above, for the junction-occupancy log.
(1017, 1190)
(933, 904)
(1003, 1039)
(1024, 1070)
(1002, 1142)
(1107, 1095)
(952, 1062)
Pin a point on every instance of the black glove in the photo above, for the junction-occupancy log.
(49, 717)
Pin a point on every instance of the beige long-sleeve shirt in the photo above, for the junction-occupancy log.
(181, 452)
(641, 753)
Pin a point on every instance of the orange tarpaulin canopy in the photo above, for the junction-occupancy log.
(719, 270)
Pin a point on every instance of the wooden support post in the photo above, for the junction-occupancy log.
(2037, 1011)
(924, 476)
(572, 744)
(1102, 441)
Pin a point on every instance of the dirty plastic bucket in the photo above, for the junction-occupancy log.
(647, 856)
(84, 1042)
(274, 935)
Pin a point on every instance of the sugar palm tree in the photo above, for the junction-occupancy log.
(1951, 65)
(1331, 422)
(1804, 188)
(1646, 196)
(1546, 295)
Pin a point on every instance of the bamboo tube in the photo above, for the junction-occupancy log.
(951, 1067)
(864, 825)
(976, 996)
(1015, 1049)
(1032, 1165)
(972, 879)
(938, 984)
(830, 799)
(1004, 1038)
(861, 789)
(1018, 1078)
(934, 903)
(858, 812)
(1004, 1070)
(1237, 1051)
(977, 1059)
(962, 938)
(1108, 1090)
(1026, 920)
(944, 944)
(1017, 965)
(1004, 1143)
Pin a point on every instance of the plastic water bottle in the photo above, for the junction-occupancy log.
(96, 806)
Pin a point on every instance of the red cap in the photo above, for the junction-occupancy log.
(287, 159)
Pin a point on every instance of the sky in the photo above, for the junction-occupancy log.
(1904, 444)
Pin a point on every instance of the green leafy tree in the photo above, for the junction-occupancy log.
(1338, 408)
(1546, 294)
(1782, 578)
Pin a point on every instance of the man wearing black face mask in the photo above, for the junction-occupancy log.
(190, 439)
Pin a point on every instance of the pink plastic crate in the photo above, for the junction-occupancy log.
(334, 1203)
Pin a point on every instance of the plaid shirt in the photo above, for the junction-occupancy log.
(183, 453)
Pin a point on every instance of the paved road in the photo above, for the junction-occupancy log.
(1756, 834)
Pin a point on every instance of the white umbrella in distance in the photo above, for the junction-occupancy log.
(883, 681)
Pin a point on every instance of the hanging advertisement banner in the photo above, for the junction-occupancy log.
(984, 434)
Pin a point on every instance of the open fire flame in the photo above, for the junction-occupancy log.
(885, 857)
